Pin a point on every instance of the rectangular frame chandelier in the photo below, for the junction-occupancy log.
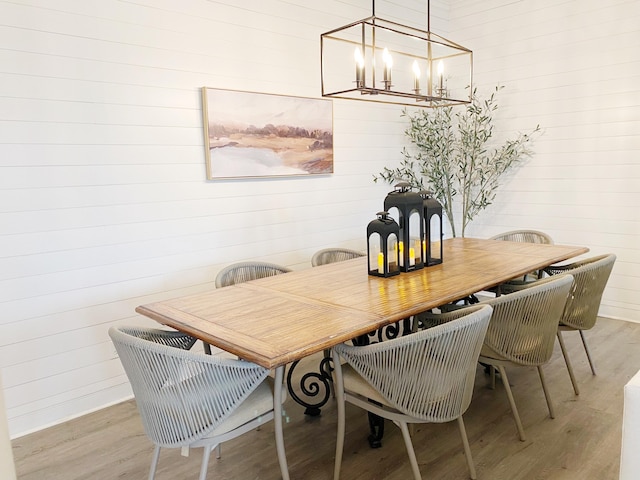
(378, 60)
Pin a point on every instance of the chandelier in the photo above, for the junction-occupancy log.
(378, 60)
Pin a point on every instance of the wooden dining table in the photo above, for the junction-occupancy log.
(278, 320)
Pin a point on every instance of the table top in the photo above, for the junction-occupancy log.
(276, 320)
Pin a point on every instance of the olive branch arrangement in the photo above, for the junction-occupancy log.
(451, 156)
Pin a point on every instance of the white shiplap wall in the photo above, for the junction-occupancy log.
(573, 67)
(103, 199)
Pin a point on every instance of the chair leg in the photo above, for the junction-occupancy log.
(586, 349)
(277, 421)
(546, 392)
(207, 348)
(205, 462)
(412, 454)
(565, 354)
(154, 462)
(339, 438)
(467, 449)
(339, 389)
(512, 403)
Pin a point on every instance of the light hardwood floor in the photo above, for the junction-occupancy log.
(581, 443)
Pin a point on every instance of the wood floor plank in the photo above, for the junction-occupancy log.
(581, 443)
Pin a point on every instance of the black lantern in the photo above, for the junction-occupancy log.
(382, 246)
(406, 206)
(432, 229)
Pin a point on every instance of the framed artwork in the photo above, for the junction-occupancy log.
(263, 135)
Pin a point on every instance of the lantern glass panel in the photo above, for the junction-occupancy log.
(415, 243)
(383, 254)
(432, 229)
(382, 246)
(392, 254)
(375, 245)
(406, 208)
(435, 237)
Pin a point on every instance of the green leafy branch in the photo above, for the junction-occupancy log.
(451, 156)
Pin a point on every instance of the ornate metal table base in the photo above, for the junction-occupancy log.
(312, 385)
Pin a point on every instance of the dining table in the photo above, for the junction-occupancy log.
(279, 320)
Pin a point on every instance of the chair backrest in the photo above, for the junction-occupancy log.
(170, 338)
(181, 395)
(590, 277)
(524, 323)
(526, 236)
(245, 271)
(332, 255)
(429, 374)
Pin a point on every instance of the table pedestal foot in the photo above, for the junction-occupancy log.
(312, 411)
(376, 426)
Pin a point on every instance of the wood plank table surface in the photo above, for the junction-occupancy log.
(277, 320)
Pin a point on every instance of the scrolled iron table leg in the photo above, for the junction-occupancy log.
(312, 385)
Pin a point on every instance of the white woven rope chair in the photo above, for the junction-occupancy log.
(424, 377)
(522, 332)
(190, 400)
(171, 338)
(581, 311)
(526, 236)
(332, 255)
(245, 271)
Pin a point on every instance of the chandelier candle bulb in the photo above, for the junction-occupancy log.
(416, 76)
(388, 63)
(441, 75)
(357, 55)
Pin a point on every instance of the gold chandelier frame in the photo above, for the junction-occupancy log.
(379, 60)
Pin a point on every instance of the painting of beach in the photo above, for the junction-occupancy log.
(263, 135)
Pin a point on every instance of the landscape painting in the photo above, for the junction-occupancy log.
(263, 135)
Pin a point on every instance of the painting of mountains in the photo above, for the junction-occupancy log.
(264, 135)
